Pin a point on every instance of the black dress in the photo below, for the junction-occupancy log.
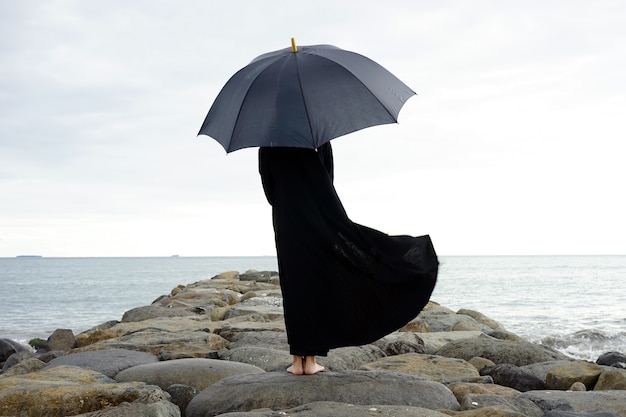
(343, 284)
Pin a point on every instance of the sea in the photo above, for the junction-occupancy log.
(574, 304)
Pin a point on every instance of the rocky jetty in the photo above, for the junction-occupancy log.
(218, 348)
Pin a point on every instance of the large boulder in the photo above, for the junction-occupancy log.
(500, 351)
(107, 362)
(153, 311)
(616, 359)
(137, 409)
(579, 401)
(611, 379)
(268, 359)
(398, 343)
(435, 341)
(334, 409)
(62, 340)
(8, 347)
(67, 391)
(279, 391)
(166, 344)
(434, 368)
(461, 389)
(564, 376)
(541, 369)
(197, 373)
(520, 405)
(512, 376)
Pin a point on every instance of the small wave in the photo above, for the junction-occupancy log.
(586, 344)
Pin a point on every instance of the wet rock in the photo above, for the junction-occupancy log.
(616, 359)
(512, 376)
(62, 339)
(579, 402)
(432, 367)
(499, 351)
(107, 362)
(611, 379)
(197, 373)
(8, 347)
(66, 391)
(518, 404)
(562, 377)
(279, 391)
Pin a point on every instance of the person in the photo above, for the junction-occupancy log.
(343, 284)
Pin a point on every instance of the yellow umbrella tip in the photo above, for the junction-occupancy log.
(294, 48)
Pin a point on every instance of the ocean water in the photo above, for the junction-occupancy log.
(576, 304)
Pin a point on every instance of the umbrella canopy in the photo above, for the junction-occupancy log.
(303, 97)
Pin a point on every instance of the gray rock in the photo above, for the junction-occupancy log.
(351, 357)
(612, 359)
(181, 395)
(511, 376)
(431, 367)
(137, 409)
(559, 413)
(258, 276)
(500, 351)
(107, 362)
(263, 338)
(443, 320)
(435, 341)
(16, 358)
(541, 369)
(398, 343)
(333, 409)
(268, 312)
(153, 311)
(68, 391)
(279, 391)
(23, 367)
(8, 347)
(579, 401)
(197, 373)
(520, 405)
(268, 359)
(62, 339)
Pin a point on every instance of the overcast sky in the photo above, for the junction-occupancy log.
(514, 144)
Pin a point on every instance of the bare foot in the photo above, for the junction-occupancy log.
(311, 367)
(297, 367)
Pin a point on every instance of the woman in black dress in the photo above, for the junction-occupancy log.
(343, 284)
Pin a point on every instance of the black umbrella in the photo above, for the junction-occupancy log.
(303, 97)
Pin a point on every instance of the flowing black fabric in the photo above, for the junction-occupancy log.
(343, 284)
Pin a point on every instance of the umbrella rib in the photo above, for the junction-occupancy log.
(306, 108)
